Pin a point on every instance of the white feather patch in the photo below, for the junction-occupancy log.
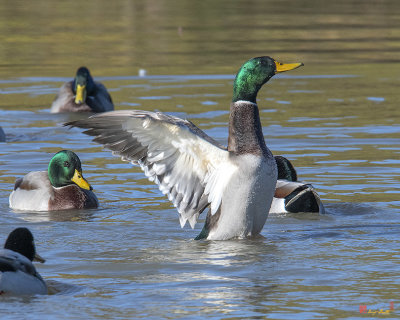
(189, 167)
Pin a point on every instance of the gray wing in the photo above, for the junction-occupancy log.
(188, 166)
(13, 261)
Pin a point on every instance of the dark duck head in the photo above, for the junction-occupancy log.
(21, 240)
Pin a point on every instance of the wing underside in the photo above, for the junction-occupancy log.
(189, 167)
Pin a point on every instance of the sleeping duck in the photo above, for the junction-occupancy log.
(82, 94)
(195, 172)
(18, 275)
(291, 195)
(61, 187)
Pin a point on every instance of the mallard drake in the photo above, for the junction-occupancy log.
(61, 187)
(82, 94)
(194, 170)
(292, 196)
(17, 273)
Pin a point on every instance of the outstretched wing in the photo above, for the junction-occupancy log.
(188, 166)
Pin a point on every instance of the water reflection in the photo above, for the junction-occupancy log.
(60, 215)
(225, 253)
(58, 287)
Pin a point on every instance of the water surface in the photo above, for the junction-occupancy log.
(336, 119)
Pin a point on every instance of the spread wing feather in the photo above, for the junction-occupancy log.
(189, 167)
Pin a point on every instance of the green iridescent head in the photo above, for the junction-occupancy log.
(254, 73)
(65, 168)
(83, 85)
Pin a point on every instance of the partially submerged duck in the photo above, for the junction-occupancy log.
(195, 171)
(82, 94)
(18, 276)
(292, 196)
(61, 187)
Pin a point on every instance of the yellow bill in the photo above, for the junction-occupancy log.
(282, 67)
(81, 181)
(80, 92)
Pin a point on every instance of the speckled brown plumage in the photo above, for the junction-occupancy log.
(72, 197)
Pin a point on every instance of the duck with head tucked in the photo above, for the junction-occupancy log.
(195, 171)
(18, 276)
(82, 94)
(291, 195)
(61, 187)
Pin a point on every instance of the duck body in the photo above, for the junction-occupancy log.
(36, 192)
(18, 275)
(292, 196)
(237, 183)
(296, 197)
(243, 211)
(194, 170)
(248, 195)
(82, 94)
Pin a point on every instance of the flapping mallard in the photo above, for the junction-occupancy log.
(196, 172)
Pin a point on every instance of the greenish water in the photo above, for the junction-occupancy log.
(336, 118)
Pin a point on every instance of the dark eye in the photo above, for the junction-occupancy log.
(66, 164)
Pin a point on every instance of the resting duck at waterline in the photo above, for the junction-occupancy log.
(82, 94)
(61, 187)
(292, 196)
(18, 275)
(194, 170)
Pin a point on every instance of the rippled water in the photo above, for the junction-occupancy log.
(337, 119)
